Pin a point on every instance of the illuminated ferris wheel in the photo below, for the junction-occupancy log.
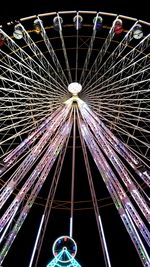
(74, 81)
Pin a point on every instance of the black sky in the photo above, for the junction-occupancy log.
(15, 9)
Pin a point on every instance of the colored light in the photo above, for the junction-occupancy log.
(98, 23)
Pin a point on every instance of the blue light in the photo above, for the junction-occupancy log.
(71, 262)
(98, 23)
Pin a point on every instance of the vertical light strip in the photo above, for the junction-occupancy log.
(71, 227)
(73, 171)
(35, 245)
(77, 46)
(104, 241)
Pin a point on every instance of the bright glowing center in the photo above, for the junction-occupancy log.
(74, 88)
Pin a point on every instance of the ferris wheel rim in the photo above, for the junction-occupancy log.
(114, 100)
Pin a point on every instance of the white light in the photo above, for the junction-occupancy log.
(36, 242)
(105, 245)
(71, 223)
(17, 34)
(74, 88)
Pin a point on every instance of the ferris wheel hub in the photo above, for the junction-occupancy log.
(74, 88)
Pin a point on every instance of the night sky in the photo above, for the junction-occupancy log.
(11, 10)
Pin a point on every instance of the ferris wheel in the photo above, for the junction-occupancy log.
(74, 84)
